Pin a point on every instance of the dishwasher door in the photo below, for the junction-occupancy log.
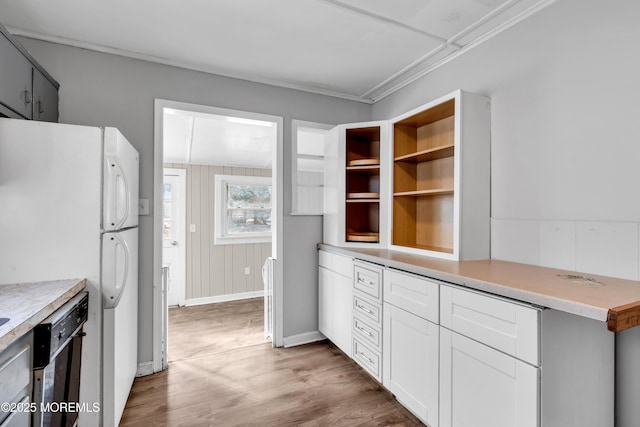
(57, 387)
(57, 355)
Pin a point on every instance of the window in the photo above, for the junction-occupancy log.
(307, 167)
(242, 209)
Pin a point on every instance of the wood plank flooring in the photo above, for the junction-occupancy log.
(223, 373)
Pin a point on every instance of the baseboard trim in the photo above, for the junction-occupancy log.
(305, 338)
(144, 369)
(223, 298)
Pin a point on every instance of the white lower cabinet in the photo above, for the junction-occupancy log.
(335, 299)
(481, 386)
(457, 357)
(410, 361)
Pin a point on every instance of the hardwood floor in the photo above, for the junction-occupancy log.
(223, 373)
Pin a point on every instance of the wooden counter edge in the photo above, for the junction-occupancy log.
(623, 317)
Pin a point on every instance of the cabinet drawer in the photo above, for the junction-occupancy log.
(415, 294)
(367, 333)
(367, 310)
(367, 278)
(367, 358)
(504, 325)
(339, 263)
(15, 374)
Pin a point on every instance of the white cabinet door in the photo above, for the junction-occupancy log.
(410, 362)
(482, 387)
(334, 312)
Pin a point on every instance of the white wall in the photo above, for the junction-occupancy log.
(565, 134)
(107, 90)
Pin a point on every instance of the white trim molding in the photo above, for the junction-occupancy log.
(144, 369)
(304, 338)
(223, 298)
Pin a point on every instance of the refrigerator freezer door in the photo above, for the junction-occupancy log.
(121, 168)
(120, 327)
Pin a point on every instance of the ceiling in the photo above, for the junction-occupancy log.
(191, 137)
(355, 49)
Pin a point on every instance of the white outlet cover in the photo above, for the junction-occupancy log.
(143, 207)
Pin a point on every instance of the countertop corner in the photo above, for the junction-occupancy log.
(27, 304)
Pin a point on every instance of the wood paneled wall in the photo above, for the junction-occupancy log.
(214, 271)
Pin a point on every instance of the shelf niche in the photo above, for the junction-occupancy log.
(362, 212)
(423, 179)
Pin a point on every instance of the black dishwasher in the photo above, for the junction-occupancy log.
(57, 343)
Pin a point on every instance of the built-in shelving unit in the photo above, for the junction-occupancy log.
(429, 210)
(423, 176)
(362, 212)
(418, 183)
(356, 185)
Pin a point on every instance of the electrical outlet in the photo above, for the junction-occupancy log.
(247, 271)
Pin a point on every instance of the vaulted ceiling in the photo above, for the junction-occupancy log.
(354, 49)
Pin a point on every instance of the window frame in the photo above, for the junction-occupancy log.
(221, 209)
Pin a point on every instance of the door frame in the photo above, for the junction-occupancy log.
(277, 247)
(182, 176)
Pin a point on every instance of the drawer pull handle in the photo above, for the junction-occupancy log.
(365, 356)
(364, 309)
(364, 330)
(365, 282)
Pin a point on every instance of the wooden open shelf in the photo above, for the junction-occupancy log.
(424, 193)
(363, 237)
(351, 196)
(366, 170)
(363, 162)
(423, 183)
(428, 154)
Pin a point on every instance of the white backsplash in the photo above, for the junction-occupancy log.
(598, 247)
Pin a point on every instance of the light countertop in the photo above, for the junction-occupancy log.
(27, 304)
(608, 299)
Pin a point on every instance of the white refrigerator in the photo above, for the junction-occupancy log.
(69, 208)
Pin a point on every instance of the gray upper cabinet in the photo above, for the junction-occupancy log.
(15, 79)
(45, 98)
(27, 91)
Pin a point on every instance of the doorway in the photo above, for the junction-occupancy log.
(161, 294)
(174, 208)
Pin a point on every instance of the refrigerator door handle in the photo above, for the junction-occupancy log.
(116, 260)
(117, 195)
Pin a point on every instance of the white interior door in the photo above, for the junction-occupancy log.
(174, 234)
